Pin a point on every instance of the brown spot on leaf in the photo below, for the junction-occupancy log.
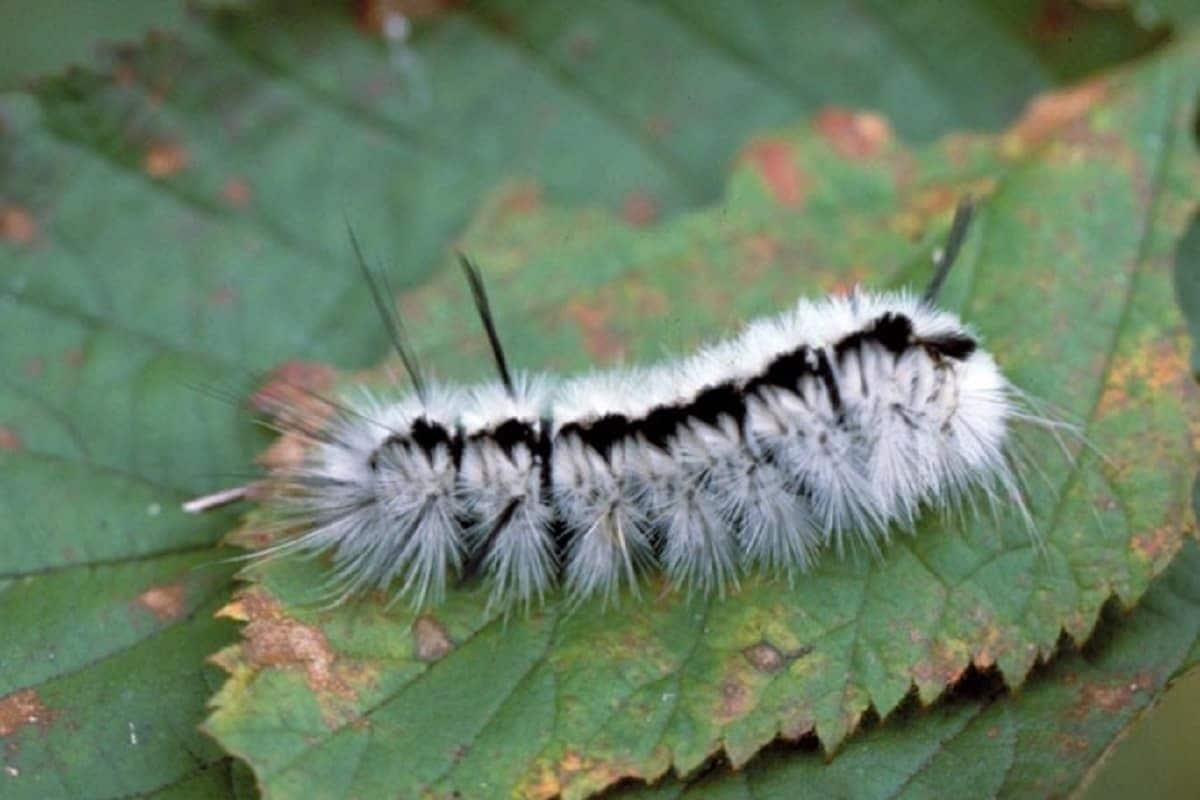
(291, 386)
(165, 602)
(34, 367)
(577, 775)
(735, 699)
(992, 645)
(1055, 18)
(523, 198)
(10, 439)
(286, 451)
(599, 340)
(1109, 697)
(938, 200)
(1166, 367)
(766, 657)
(1156, 545)
(1071, 745)
(251, 534)
(796, 724)
(944, 666)
(1157, 366)
(639, 208)
(571, 762)
(20, 709)
(277, 641)
(777, 166)
(1048, 113)
(74, 357)
(853, 134)
(543, 786)
(164, 159)
(934, 205)
(17, 225)
(431, 640)
(236, 192)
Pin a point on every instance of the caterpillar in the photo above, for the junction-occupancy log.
(828, 427)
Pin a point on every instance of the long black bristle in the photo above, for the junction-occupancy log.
(949, 252)
(475, 281)
(382, 295)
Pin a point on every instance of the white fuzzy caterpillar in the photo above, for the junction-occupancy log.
(826, 427)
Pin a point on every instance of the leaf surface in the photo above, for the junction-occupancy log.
(1041, 741)
(1067, 277)
(175, 220)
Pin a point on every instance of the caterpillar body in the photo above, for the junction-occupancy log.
(827, 427)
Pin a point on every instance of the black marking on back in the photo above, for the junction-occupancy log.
(510, 433)
(825, 373)
(457, 440)
(659, 426)
(786, 370)
(428, 435)
(724, 399)
(545, 455)
(892, 331)
(424, 435)
(950, 345)
(600, 434)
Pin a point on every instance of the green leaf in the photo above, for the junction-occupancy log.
(176, 220)
(1068, 279)
(1038, 742)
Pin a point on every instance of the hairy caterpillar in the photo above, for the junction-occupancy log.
(826, 427)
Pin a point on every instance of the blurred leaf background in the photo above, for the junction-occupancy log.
(1066, 40)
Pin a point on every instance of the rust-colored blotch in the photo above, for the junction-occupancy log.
(164, 159)
(22, 708)
(17, 225)
(237, 192)
(776, 164)
(639, 208)
(10, 439)
(853, 134)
